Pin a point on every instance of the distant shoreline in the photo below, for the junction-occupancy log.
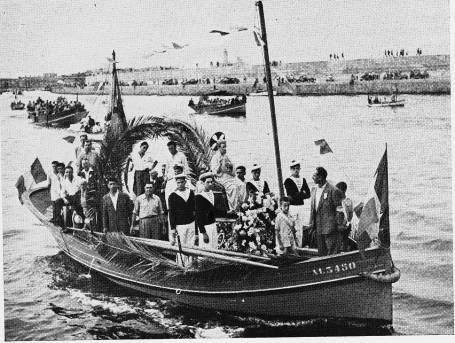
(422, 86)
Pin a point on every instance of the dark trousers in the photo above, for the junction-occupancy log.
(57, 206)
(328, 244)
(141, 177)
(306, 238)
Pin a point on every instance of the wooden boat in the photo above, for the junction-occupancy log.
(397, 103)
(236, 109)
(331, 286)
(353, 285)
(17, 105)
(63, 119)
(394, 101)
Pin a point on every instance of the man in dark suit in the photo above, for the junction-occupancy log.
(325, 199)
(117, 209)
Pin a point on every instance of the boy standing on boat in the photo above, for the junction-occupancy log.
(181, 217)
(285, 229)
(205, 214)
(297, 190)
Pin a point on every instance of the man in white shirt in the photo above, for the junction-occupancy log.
(177, 157)
(142, 164)
(53, 181)
(70, 193)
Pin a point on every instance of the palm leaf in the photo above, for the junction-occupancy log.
(190, 139)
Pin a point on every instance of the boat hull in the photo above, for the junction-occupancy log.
(399, 103)
(64, 120)
(231, 110)
(325, 287)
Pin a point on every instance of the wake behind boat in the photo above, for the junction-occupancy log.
(220, 106)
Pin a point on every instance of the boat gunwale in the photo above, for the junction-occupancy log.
(28, 202)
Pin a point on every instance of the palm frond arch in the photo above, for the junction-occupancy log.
(191, 140)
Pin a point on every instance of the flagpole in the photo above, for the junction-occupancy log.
(271, 100)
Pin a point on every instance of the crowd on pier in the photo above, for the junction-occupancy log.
(169, 205)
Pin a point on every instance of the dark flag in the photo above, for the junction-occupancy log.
(323, 146)
(374, 220)
(37, 171)
(69, 139)
(20, 185)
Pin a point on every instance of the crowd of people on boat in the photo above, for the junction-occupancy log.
(377, 100)
(53, 108)
(206, 101)
(168, 206)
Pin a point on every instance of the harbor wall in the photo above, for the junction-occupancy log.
(425, 86)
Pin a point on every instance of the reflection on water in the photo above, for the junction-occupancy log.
(47, 296)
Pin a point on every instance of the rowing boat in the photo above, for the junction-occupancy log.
(397, 103)
(237, 110)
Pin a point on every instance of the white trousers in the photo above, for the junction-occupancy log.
(186, 234)
(213, 237)
(298, 214)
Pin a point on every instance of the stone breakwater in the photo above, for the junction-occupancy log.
(425, 86)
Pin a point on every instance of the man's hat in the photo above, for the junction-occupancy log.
(256, 167)
(294, 163)
(205, 176)
(180, 176)
(178, 165)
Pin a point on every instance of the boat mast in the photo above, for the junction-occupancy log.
(113, 85)
(271, 100)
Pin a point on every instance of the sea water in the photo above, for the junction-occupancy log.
(46, 298)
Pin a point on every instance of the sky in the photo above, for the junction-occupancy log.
(66, 36)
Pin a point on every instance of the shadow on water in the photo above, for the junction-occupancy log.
(103, 310)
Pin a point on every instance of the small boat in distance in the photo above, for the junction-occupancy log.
(17, 105)
(218, 106)
(393, 102)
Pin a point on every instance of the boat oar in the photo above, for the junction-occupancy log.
(180, 249)
(218, 254)
(222, 252)
(201, 253)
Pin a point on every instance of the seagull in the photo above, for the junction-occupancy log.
(222, 33)
(177, 46)
(239, 28)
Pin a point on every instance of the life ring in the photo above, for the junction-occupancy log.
(391, 277)
(216, 137)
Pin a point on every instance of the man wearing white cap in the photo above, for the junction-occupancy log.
(205, 213)
(181, 217)
(255, 184)
(171, 184)
(297, 190)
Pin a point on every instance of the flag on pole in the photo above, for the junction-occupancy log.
(37, 171)
(374, 220)
(323, 146)
(258, 37)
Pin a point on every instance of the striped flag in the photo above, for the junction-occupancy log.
(37, 171)
(258, 37)
(374, 220)
(323, 146)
